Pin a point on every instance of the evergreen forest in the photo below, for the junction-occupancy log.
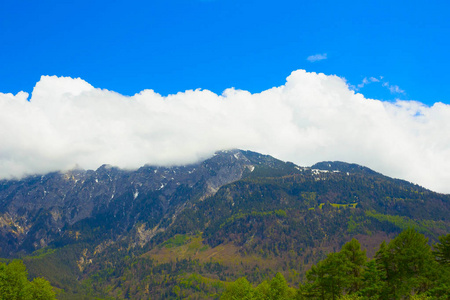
(405, 268)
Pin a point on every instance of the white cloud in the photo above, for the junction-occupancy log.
(313, 117)
(367, 81)
(364, 82)
(394, 89)
(316, 57)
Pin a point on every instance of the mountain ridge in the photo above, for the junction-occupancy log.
(60, 199)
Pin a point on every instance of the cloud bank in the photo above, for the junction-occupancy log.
(68, 123)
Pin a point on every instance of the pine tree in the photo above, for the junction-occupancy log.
(442, 250)
(328, 278)
(405, 262)
(355, 259)
(279, 289)
(372, 281)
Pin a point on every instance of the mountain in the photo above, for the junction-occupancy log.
(39, 210)
(164, 231)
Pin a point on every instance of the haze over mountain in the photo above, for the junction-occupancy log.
(67, 123)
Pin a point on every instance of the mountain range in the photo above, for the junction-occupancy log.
(149, 232)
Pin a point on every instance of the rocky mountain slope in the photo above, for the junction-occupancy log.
(38, 210)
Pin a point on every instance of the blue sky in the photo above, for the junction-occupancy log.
(171, 46)
(276, 77)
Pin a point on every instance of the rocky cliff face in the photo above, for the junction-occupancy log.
(39, 210)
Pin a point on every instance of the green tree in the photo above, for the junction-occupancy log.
(442, 250)
(275, 289)
(405, 263)
(439, 287)
(350, 297)
(240, 289)
(385, 266)
(262, 290)
(41, 289)
(355, 259)
(327, 279)
(313, 287)
(13, 281)
(14, 284)
(372, 281)
(439, 274)
(279, 289)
